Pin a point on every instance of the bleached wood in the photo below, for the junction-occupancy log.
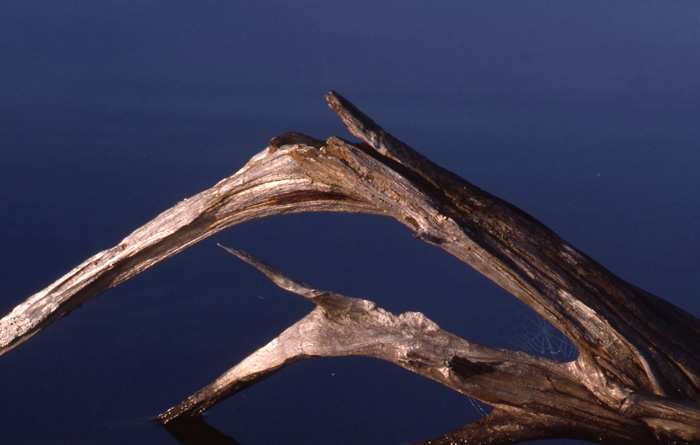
(344, 326)
(637, 378)
(271, 183)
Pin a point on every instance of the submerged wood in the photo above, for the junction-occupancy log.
(637, 378)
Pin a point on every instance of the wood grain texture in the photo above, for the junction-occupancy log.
(636, 380)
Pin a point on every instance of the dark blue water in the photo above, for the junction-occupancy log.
(112, 112)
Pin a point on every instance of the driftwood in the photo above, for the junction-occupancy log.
(637, 376)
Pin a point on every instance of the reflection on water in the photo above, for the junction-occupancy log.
(197, 432)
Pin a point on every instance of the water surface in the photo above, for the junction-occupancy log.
(111, 113)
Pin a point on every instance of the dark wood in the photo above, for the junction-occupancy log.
(636, 380)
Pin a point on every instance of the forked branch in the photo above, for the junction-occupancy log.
(639, 360)
(508, 380)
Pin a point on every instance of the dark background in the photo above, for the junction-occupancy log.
(583, 114)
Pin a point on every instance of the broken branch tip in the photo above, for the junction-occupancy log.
(239, 253)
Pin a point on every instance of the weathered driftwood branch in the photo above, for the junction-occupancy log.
(272, 183)
(638, 374)
(509, 380)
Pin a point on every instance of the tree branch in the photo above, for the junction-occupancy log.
(344, 326)
(501, 427)
(602, 314)
(639, 362)
(272, 183)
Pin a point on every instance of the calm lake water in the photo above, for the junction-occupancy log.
(112, 112)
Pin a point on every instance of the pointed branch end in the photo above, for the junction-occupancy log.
(280, 279)
(242, 255)
(355, 119)
(358, 123)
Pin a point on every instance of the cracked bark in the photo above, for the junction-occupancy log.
(637, 378)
